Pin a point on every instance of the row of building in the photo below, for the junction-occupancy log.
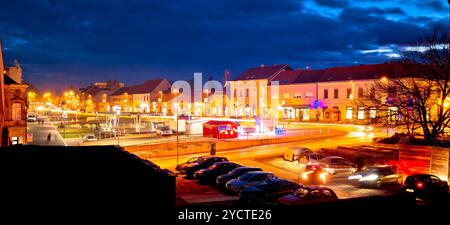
(332, 95)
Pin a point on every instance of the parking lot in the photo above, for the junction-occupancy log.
(190, 191)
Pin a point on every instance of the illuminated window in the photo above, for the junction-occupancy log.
(15, 140)
(361, 113)
(349, 92)
(297, 95)
(349, 112)
(373, 113)
(305, 114)
(16, 111)
(393, 113)
(286, 95)
(308, 94)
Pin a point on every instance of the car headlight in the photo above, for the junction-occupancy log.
(355, 177)
(305, 175)
(371, 177)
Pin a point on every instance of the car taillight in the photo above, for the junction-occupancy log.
(419, 185)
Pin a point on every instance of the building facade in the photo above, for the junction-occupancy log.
(13, 104)
(253, 94)
(334, 94)
(146, 97)
(94, 98)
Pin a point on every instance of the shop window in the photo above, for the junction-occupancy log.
(349, 112)
(360, 113)
(15, 140)
(305, 114)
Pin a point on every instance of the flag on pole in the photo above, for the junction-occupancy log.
(227, 75)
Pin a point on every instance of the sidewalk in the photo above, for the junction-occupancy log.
(40, 134)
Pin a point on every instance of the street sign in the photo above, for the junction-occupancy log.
(29, 137)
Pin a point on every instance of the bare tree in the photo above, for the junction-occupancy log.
(417, 94)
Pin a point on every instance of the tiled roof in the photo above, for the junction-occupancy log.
(147, 87)
(360, 72)
(287, 77)
(309, 76)
(262, 72)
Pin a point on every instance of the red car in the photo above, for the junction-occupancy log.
(309, 195)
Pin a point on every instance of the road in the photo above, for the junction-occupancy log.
(269, 158)
(40, 134)
(352, 137)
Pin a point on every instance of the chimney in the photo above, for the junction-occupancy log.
(15, 72)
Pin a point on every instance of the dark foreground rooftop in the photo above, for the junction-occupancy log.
(82, 178)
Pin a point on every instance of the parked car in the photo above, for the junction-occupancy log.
(425, 186)
(89, 137)
(182, 166)
(376, 176)
(202, 163)
(293, 154)
(308, 158)
(309, 195)
(31, 118)
(211, 173)
(267, 192)
(336, 164)
(247, 180)
(223, 179)
(163, 131)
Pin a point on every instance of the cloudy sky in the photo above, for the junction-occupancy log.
(59, 43)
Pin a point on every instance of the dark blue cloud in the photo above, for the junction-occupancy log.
(332, 3)
(84, 41)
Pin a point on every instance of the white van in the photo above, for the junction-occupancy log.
(293, 153)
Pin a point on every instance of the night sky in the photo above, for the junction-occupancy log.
(59, 43)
